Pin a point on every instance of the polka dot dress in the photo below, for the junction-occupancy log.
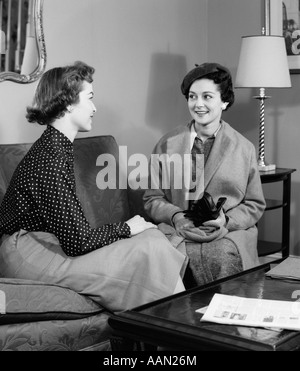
(42, 197)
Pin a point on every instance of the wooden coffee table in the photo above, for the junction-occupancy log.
(173, 324)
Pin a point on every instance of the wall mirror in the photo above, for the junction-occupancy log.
(22, 43)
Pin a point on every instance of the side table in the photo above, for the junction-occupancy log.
(278, 175)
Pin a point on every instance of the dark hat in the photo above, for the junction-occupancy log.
(199, 72)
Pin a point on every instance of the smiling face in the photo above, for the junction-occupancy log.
(83, 111)
(205, 104)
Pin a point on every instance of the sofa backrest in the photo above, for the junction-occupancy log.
(100, 206)
(10, 156)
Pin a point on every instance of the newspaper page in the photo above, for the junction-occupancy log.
(235, 310)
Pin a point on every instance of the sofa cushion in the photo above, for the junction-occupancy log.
(31, 301)
(90, 333)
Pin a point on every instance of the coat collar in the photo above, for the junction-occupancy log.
(179, 142)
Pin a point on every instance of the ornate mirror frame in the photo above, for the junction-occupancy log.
(41, 50)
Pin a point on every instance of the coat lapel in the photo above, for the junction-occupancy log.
(221, 148)
(179, 143)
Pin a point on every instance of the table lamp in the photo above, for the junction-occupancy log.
(263, 64)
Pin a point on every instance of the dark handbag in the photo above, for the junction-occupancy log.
(204, 209)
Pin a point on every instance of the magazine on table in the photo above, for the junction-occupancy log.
(287, 269)
(235, 310)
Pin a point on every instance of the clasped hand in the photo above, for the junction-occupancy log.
(181, 222)
(138, 225)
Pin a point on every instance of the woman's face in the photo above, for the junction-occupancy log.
(205, 103)
(83, 111)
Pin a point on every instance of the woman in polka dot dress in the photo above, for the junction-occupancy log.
(44, 233)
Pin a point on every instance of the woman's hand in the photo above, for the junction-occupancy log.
(181, 222)
(138, 225)
(217, 223)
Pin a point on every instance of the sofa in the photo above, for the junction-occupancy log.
(43, 317)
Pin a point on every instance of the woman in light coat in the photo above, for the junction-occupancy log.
(228, 169)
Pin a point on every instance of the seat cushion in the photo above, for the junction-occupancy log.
(90, 333)
(30, 301)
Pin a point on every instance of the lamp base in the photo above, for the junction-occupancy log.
(268, 167)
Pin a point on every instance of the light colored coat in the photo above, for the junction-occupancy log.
(230, 171)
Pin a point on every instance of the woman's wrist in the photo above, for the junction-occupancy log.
(173, 216)
(125, 230)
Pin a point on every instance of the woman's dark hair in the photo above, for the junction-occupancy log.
(219, 74)
(224, 81)
(58, 88)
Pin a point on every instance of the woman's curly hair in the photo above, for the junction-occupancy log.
(224, 81)
(57, 90)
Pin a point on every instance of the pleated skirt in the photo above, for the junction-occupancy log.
(119, 276)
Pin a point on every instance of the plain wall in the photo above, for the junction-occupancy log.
(141, 50)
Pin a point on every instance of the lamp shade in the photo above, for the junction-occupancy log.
(263, 63)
